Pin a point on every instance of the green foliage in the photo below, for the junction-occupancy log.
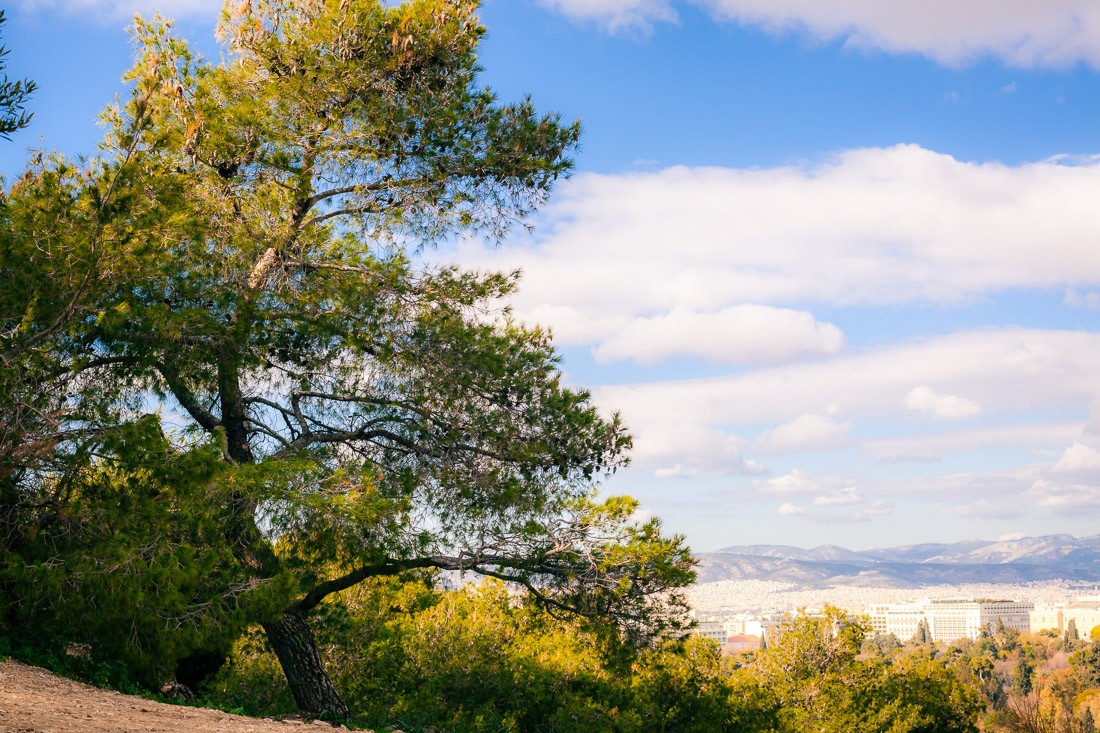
(1021, 677)
(880, 647)
(479, 659)
(814, 670)
(1086, 665)
(126, 556)
(1025, 682)
(475, 659)
(13, 98)
(59, 654)
(682, 686)
(923, 635)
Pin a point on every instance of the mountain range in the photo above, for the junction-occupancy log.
(1023, 560)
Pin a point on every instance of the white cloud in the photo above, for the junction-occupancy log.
(675, 449)
(1009, 88)
(910, 457)
(1068, 487)
(801, 482)
(941, 406)
(1008, 371)
(804, 433)
(932, 448)
(880, 508)
(1065, 498)
(677, 471)
(1015, 374)
(616, 15)
(838, 502)
(740, 334)
(1005, 508)
(1023, 33)
(839, 498)
(1079, 459)
(880, 226)
(1075, 299)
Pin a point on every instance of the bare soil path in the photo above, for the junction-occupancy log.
(33, 700)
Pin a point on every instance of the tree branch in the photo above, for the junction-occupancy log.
(347, 436)
(185, 396)
(481, 564)
(339, 212)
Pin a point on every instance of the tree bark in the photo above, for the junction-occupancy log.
(294, 644)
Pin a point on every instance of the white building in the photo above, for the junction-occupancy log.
(949, 619)
(1085, 615)
(899, 619)
(715, 630)
(744, 625)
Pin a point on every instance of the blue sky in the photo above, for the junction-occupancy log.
(837, 264)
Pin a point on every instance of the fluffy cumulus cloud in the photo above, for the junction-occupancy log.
(616, 15)
(1062, 485)
(799, 482)
(839, 498)
(740, 334)
(880, 226)
(1065, 497)
(1079, 460)
(1024, 33)
(804, 433)
(676, 448)
(1021, 32)
(827, 498)
(1071, 485)
(1009, 371)
(1021, 378)
(941, 406)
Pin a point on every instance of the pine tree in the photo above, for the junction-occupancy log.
(242, 253)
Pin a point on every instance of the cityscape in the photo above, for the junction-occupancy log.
(738, 614)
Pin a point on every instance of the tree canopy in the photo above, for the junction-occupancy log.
(241, 263)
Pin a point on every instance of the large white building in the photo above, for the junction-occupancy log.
(1085, 615)
(713, 630)
(949, 619)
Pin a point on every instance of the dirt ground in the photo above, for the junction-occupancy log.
(33, 700)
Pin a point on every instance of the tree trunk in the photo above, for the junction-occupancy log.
(289, 635)
(293, 642)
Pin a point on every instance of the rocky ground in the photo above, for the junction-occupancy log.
(33, 700)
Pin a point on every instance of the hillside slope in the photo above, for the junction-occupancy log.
(33, 700)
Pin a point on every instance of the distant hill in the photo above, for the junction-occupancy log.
(1022, 560)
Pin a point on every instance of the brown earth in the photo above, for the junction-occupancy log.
(33, 700)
